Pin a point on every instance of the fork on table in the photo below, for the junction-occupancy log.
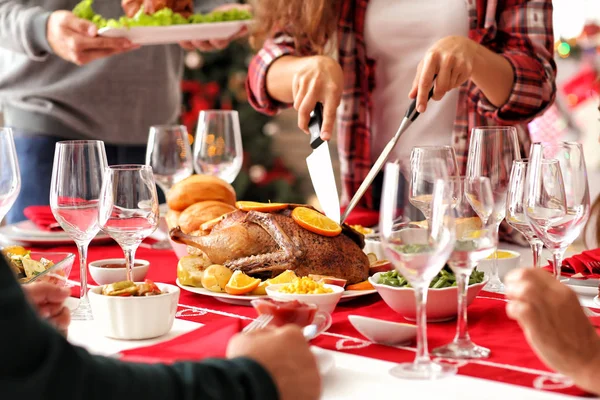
(309, 331)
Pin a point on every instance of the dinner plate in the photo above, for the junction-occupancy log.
(584, 287)
(25, 233)
(148, 35)
(244, 300)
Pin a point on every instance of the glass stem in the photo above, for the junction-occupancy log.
(495, 277)
(129, 261)
(421, 301)
(536, 251)
(83, 250)
(558, 259)
(462, 330)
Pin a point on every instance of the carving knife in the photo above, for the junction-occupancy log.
(320, 167)
(410, 116)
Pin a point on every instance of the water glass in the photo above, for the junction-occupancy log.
(418, 253)
(492, 151)
(558, 198)
(515, 208)
(77, 176)
(218, 144)
(128, 210)
(475, 240)
(10, 176)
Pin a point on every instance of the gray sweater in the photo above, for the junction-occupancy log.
(115, 99)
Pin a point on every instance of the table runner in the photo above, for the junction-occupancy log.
(512, 361)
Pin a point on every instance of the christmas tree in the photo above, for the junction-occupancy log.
(216, 80)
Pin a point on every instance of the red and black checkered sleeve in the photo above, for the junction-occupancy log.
(525, 38)
(256, 81)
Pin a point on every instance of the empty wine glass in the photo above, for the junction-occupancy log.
(218, 144)
(10, 176)
(77, 175)
(492, 151)
(423, 163)
(475, 240)
(418, 253)
(128, 210)
(558, 198)
(170, 156)
(515, 208)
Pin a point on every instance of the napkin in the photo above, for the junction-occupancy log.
(584, 266)
(363, 217)
(42, 217)
(208, 341)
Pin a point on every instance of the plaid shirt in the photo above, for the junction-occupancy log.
(520, 30)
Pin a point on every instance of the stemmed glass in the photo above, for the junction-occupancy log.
(558, 198)
(423, 161)
(10, 176)
(77, 175)
(475, 240)
(515, 208)
(218, 145)
(128, 210)
(418, 253)
(170, 156)
(492, 151)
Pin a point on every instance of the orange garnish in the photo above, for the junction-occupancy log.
(262, 207)
(240, 283)
(364, 285)
(316, 222)
(208, 225)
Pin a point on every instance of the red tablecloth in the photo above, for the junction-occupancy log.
(512, 360)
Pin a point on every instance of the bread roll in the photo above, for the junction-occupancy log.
(172, 219)
(199, 188)
(197, 214)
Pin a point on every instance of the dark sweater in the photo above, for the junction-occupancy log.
(36, 362)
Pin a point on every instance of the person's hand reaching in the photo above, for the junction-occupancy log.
(555, 325)
(285, 354)
(76, 40)
(48, 300)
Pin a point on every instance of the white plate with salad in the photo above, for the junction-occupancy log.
(165, 26)
(151, 35)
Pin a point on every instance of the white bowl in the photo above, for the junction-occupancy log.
(373, 245)
(505, 265)
(134, 318)
(383, 332)
(325, 302)
(104, 276)
(442, 304)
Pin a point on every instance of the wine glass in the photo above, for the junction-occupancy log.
(77, 175)
(515, 208)
(492, 151)
(423, 162)
(128, 210)
(170, 156)
(558, 198)
(218, 145)
(418, 253)
(475, 240)
(10, 176)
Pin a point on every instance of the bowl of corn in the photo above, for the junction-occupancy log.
(308, 291)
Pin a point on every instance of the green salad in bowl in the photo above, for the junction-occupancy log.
(442, 280)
